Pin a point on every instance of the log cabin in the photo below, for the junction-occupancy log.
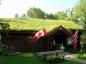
(58, 35)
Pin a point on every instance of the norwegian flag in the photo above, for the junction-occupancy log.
(74, 38)
(39, 34)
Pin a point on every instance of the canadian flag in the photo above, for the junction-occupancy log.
(74, 38)
(39, 34)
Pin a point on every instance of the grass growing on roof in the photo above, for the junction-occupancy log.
(37, 24)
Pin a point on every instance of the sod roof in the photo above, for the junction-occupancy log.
(37, 24)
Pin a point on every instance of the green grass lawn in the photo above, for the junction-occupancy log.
(27, 59)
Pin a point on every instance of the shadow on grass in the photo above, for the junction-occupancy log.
(54, 61)
(19, 59)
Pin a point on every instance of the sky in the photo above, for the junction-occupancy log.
(9, 8)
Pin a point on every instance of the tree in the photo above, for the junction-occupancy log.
(35, 13)
(4, 26)
(23, 16)
(16, 15)
(50, 16)
(80, 15)
(80, 11)
(69, 13)
(0, 2)
(61, 15)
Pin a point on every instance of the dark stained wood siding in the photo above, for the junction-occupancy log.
(20, 40)
(23, 40)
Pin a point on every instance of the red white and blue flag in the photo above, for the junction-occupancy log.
(74, 38)
(39, 34)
